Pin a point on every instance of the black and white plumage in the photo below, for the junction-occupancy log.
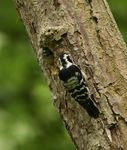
(75, 83)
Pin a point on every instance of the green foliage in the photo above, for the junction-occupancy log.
(119, 10)
(28, 119)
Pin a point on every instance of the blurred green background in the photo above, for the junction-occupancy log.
(28, 119)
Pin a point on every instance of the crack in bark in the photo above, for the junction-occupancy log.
(114, 127)
(95, 20)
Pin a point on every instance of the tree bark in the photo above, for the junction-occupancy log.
(85, 29)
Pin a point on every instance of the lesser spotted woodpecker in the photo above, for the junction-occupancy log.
(75, 83)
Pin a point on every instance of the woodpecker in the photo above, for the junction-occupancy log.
(75, 83)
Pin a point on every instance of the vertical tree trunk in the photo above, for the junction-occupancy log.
(86, 29)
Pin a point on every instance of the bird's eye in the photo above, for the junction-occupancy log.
(68, 58)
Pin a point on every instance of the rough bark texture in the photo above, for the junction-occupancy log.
(86, 29)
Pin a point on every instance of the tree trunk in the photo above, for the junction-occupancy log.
(85, 29)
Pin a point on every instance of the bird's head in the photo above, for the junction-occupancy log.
(65, 60)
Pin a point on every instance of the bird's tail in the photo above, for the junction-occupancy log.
(90, 107)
